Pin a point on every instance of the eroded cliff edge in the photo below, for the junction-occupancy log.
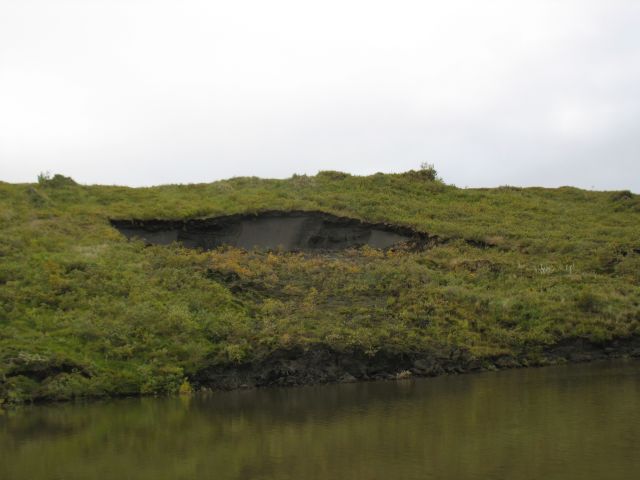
(270, 230)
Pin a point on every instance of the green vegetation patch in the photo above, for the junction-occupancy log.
(85, 312)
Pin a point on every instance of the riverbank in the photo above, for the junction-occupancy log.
(321, 364)
(464, 280)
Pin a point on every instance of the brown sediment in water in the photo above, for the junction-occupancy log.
(290, 231)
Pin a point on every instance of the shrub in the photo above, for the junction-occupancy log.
(428, 171)
(622, 195)
(46, 180)
(332, 175)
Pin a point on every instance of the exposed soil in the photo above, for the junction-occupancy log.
(291, 231)
(321, 364)
(43, 368)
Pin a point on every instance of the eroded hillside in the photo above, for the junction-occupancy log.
(511, 276)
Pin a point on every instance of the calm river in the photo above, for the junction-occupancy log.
(570, 422)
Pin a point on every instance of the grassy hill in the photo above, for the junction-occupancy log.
(520, 273)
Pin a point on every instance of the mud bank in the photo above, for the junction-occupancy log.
(292, 231)
(322, 364)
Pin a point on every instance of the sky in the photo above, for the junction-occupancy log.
(493, 92)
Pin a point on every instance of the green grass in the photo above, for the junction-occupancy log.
(84, 312)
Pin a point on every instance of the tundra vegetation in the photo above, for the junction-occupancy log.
(86, 313)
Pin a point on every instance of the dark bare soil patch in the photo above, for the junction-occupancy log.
(290, 231)
(323, 364)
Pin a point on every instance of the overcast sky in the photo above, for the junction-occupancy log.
(493, 92)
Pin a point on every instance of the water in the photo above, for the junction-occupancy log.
(571, 422)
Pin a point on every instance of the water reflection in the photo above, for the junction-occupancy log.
(575, 422)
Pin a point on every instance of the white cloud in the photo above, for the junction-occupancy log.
(148, 92)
